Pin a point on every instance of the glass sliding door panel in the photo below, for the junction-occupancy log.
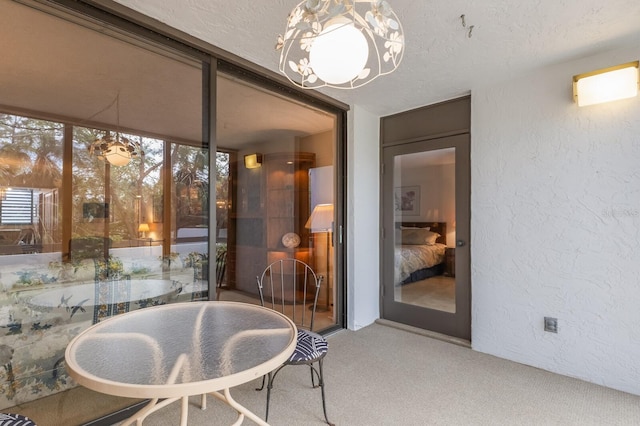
(424, 235)
(224, 159)
(189, 217)
(280, 202)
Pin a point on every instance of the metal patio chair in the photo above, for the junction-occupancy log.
(291, 287)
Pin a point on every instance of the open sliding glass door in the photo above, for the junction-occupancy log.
(426, 280)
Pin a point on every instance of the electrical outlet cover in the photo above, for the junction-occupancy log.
(551, 324)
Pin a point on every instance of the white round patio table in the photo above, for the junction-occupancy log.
(170, 352)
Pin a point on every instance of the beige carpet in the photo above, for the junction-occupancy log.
(380, 375)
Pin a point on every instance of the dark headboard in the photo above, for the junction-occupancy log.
(439, 227)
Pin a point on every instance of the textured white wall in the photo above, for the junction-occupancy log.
(556, 225)
(363, 203)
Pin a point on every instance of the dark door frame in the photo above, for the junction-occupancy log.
(456, 324)
(433, 127)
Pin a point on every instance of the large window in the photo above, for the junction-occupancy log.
(82, 237)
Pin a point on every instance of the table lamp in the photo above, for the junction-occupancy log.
(321, 220)
(143, 228)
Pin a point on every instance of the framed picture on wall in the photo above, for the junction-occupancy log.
(406, 200)
(95, 212)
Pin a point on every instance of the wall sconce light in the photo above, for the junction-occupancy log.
(252, 161)
(607, 84)
(143, 228)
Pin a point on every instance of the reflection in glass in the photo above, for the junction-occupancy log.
(30, 183)
(82, 240)
(424, 234)
(266, 212)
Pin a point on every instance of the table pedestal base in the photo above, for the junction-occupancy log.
(224, 396)
(154, 406)
(242, 411)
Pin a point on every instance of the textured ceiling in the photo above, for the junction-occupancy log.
(440, 61)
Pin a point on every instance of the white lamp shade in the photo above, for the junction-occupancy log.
(609, 84)
(117, 154)
(321, 219)
(143, 227)
(339, 53)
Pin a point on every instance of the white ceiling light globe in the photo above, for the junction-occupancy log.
(117, 154)
(339, 53)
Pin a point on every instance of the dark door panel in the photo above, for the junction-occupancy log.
(426, 274)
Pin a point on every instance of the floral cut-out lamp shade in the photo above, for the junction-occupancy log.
(117, 151)
(342, 44)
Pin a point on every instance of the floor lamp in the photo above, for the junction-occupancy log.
(321, 220)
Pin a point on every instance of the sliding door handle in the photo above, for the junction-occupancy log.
(460, 243)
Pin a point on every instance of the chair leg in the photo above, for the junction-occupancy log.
(271, 376)
(313, 380)
(321, 384)
(269, 386)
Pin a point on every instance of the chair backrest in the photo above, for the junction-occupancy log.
(221, 267)
(291, 286)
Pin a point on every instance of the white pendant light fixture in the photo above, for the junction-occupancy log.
(117, 151)
(342, 44)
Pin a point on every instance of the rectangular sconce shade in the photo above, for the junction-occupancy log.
(252, 161)
(605, 85)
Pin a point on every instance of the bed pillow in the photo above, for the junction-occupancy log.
(420, 236)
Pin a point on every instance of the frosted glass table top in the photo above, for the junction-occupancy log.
(180, 349)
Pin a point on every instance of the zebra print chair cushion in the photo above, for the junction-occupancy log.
(15, 420)
(309, 347)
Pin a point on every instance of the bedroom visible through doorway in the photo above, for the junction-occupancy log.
(424, 229)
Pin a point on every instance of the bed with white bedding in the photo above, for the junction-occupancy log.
(419, 251)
